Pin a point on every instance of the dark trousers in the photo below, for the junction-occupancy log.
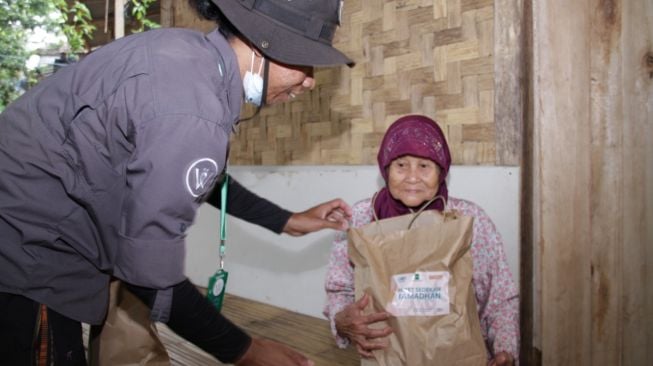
(24, 338)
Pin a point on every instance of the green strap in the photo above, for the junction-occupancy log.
(223, 218)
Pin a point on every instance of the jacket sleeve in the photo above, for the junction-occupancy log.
(246, 205)
(176, 162)
(194, 318)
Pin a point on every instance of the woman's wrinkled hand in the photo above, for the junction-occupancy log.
(502, 359)
(352, 324)
(264, 352)
(334, 214)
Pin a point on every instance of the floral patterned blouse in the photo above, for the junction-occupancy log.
(496, 293)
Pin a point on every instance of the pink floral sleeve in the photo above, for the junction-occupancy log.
(340, 273)
(496, 293)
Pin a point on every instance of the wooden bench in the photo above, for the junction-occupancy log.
(309, 335)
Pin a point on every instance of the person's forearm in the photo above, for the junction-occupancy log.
(248, 206)
(194, 318)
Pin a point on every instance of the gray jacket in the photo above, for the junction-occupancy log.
(104, 164)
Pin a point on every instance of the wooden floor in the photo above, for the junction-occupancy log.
(306, 334)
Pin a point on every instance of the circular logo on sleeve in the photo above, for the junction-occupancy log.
(200, 176)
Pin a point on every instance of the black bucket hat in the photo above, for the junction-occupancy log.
(294, 32)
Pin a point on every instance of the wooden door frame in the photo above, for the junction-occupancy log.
(513, 119)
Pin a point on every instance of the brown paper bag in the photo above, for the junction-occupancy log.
(128, 337)
(421, 272)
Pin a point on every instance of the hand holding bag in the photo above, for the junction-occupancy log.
(418, 267)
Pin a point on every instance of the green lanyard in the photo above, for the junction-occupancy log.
(223, 219)
(218, 282)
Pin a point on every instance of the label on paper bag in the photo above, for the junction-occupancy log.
(420, 294)
(217, 285)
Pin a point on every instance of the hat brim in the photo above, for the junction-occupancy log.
(279, 42)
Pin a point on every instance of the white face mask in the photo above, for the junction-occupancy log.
(253, 84)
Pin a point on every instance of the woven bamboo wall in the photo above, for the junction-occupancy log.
(433, 57)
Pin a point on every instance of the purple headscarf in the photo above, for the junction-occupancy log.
(417, 136)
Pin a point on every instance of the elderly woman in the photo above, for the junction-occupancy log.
(414, 160)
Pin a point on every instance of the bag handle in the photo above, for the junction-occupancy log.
(424, 206)
(376, 218)
(415, 214)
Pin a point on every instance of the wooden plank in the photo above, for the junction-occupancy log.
(184, 16)
(529, 282)
(562, 158)
(607, 194)
(309, 335)
(167, 16)
(593, 191)
(119, 18)
(636, 46)
(509, 76)
(306, 334)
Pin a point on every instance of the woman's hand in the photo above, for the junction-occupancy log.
(502, 359)
(351, 323)
(334, 214)
(263, 352)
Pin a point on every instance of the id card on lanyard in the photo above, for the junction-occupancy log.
(218, 282)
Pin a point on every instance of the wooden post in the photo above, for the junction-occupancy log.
(167, 14)
(119, 18)
(509, 80)
(634, 91)
(592, 172)
(180, 14)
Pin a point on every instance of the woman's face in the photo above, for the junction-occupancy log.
(287, 81)
(413, 180)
